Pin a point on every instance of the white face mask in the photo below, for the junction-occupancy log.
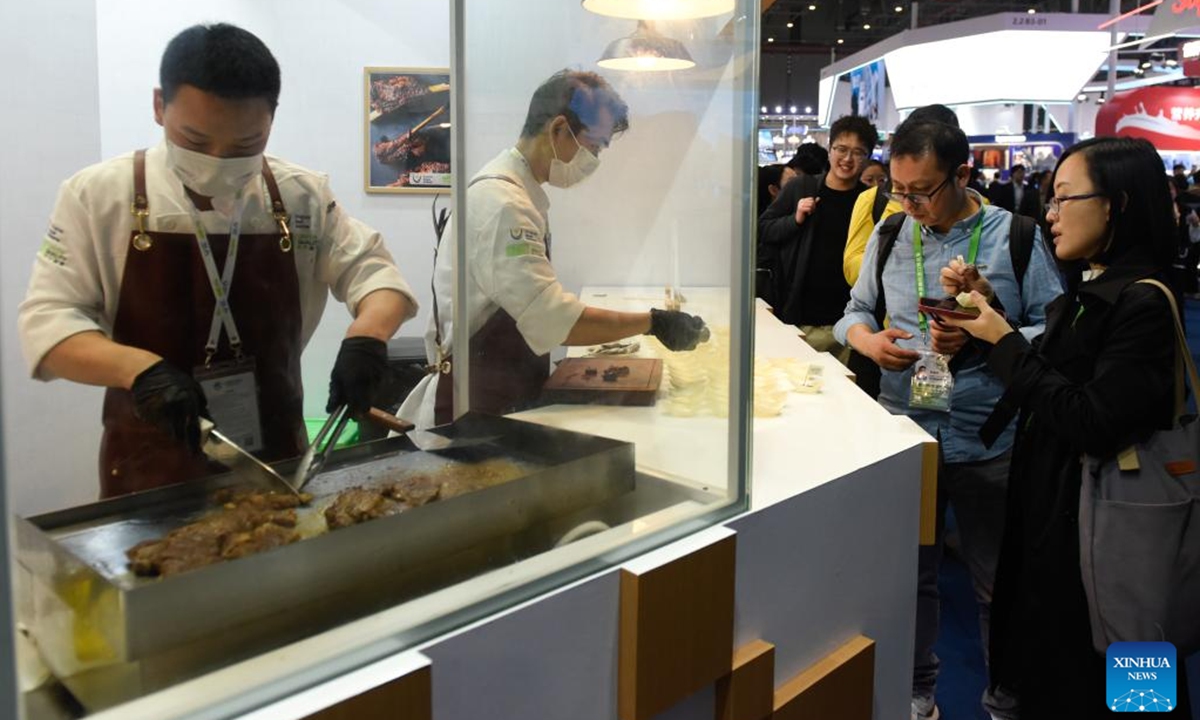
(212, 176)
(564, 175)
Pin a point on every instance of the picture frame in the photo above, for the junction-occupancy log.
(406, 130)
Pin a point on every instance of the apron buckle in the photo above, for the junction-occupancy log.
(281, 219)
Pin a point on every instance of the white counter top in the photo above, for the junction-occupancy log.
(817, 439)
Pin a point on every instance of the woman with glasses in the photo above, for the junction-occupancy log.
(1100, 378)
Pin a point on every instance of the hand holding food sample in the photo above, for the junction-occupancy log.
(990, 326)
(959, 278)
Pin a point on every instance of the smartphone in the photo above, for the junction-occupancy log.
(946, 308)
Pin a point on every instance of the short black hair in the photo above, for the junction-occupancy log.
(873, 161)
(221, 59)
(932, 113)
(1128, 171)
(1179, 166)
(768, 175)
(810, 159)
(579, 96)
(945, 142)
(856, 125)
(1015, 168)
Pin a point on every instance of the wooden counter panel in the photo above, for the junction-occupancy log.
(747, 693)
(840, 685)
(405, 698)
(676, 629)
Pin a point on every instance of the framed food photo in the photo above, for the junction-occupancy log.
(407, 121)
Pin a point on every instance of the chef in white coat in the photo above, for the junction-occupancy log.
(188, 278)
(517, 309)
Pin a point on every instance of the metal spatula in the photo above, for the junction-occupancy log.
(225, 451)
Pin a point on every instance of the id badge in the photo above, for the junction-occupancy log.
(932, 384)
(232, 393)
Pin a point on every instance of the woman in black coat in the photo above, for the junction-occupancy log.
(1100, 378)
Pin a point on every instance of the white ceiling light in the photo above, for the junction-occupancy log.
(792, 109)
(899, 8)
(764, 109)
(812, 7)
(840, 41)
(770, 39)
(808, 109)
(866, 26)
(1032, 11)
(659, 9)
(646, 51)
(791, 25)
(1081, 97)
(778, 109)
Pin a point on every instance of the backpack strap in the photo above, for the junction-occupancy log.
(880, 204)
(1020, 246)
(889, 230)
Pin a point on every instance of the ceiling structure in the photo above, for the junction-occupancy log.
(799, 37)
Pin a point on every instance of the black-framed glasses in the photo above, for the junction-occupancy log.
(844, 150)
(918, 198)
(1055, 204)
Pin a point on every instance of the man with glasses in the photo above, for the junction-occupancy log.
(803, 233)
(946, 224)
(517, 309)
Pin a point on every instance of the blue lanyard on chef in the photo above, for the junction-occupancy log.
(919, 260)
(220, 284)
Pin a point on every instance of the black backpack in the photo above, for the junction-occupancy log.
(1020, 248)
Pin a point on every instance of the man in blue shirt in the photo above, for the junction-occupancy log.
(945, 221)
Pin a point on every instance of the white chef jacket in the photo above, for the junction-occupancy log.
(76, 280)
(508, 230)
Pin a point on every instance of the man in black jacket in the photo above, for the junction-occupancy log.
(802, 236)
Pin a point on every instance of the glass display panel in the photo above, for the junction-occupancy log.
(630, 291)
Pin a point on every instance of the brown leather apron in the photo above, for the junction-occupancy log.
(506, 376)
(166, 306)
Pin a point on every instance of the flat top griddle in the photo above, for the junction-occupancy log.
(91, 616)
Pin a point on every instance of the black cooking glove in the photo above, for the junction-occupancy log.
(677, 330)
(358, 373)
(171, 400)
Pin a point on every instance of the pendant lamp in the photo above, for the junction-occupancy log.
(659, 9)
(646, 51)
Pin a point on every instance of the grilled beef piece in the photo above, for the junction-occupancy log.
(415, 491)
(402, 148)
(248, 523)
(392, 93)
(261, 538)
(358, 505)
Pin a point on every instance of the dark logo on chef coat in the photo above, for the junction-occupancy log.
(301, 222)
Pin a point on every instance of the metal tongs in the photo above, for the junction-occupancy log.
(318, 451)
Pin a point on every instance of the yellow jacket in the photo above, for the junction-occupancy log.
(861, 227)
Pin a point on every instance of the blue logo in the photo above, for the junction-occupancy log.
(1141, 677)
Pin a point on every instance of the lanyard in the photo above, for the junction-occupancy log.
(919, 260)
(222, 312)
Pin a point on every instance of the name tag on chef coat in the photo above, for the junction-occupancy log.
(232, 392)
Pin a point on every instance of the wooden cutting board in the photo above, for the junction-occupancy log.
(630, 381)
